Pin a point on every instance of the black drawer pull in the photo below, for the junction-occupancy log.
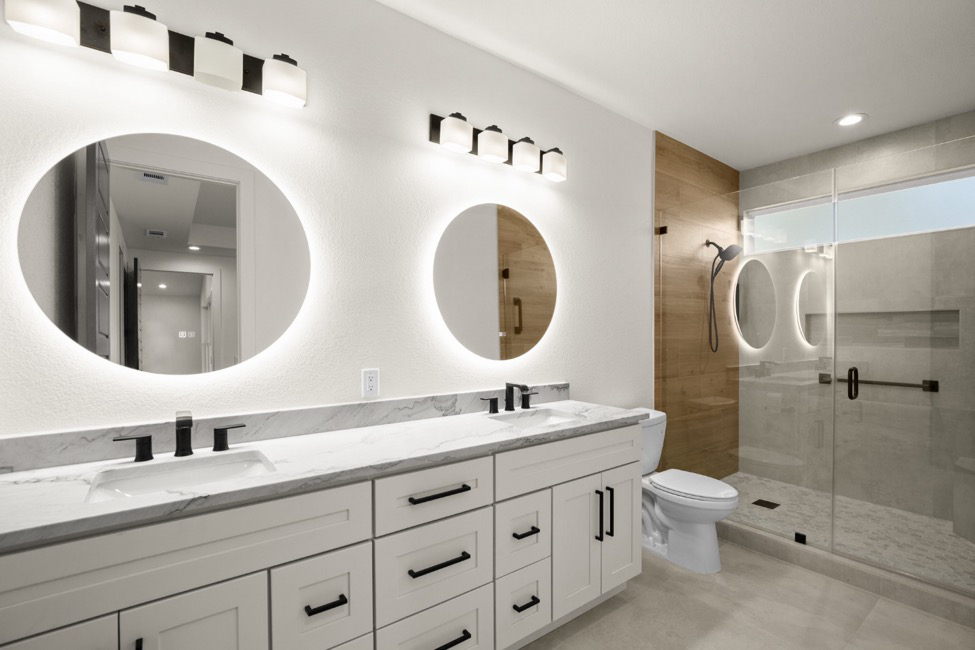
(311, 611)
(138, 644)
(433, 497)
(443, 565)
(534, 531)
(531, 603)
(599, 537)
(463, 637)
(612, 512)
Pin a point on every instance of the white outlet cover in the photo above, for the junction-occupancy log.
(370, 382)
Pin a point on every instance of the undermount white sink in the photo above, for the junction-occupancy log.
(178, 474)
(536, 417)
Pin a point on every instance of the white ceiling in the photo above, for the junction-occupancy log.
(746, 81)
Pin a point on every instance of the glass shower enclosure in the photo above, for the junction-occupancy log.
(856, 368)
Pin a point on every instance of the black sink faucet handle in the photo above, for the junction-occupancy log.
(526, 399)
(492, 404)
(143, 446)
(220, 436)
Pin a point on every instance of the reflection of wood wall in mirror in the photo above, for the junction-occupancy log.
(527, 295)
(696, 199)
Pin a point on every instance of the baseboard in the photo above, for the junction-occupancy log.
(565, 619)
(943, 603)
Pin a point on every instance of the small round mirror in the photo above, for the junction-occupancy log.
(811, 308)
(494, 280)
(755, 304)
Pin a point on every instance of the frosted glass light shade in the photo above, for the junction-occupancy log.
(492, 145)
(456, 134)
(217, 62)
(284, 82)
(524, 156)
(54, 21)
(138, 39)
(554, 166)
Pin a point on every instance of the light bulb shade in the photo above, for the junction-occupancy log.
(139, 40)
(284, 82)
(456, 134)
(554, 166)
(492, 145)
(217, 62)
(524, 156)
(54, 21)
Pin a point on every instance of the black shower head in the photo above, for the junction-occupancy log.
(726, 254)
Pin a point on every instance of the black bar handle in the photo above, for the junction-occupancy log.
(853, 382)
(450, 644)
(927, 385)
(436, 567)
(433, 497)
(311, 611)
(531, 603)
(599, 537)
(528, 533)
(612, 512)
(138, 644)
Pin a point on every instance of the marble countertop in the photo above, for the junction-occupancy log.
(49, 505)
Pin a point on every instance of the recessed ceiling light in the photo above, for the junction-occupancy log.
(851, 119)
(194, 248)
(138, 284)
(162, 286)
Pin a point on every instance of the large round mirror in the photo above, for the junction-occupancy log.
(755, 304)
(164, 254)
(811, 307)
(495, 281)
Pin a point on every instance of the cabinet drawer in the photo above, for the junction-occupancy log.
(523, 602)
(419, 568)
(468, 619)
(322, 601)
(100, 634)
(522, 531)
(533, 468)
(362, 643)
(420, 497)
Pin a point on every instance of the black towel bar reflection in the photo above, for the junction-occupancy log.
(433, 497)
(443, 565)
(311, 611)
(927, 385)
(465, 635)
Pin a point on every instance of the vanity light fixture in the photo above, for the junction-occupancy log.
(554, 165)
(524, 155)
(284, 82)
(54, 21)
(138, 39)
(216, 62)
(456, 134)
(492, 145)
(851, 119)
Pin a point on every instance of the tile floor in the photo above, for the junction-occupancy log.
(756, 602)
(915, 544)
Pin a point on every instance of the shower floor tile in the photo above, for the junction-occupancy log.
(918, 545)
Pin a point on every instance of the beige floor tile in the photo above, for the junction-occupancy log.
(891, 625)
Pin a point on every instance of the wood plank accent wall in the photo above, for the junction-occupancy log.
(696, 198)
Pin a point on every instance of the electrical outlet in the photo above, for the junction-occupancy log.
(370, 382)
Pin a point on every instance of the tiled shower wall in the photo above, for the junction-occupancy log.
(695, 200)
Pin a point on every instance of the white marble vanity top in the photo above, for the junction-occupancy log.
(49, 505)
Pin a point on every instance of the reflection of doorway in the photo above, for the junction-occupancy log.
(175, 338)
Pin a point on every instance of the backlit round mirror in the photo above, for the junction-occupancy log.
(811, 307)
(164, 254)
(495, 281)
(755, 304)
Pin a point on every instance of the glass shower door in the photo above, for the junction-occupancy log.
(904, 375)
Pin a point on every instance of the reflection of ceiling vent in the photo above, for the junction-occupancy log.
(155, 233)
(152, 177)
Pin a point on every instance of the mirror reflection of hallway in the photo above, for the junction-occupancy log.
(177, 315)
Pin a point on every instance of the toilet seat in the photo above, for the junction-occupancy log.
(691, 486)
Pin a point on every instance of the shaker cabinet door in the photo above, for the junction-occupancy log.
(99, 634)
(576, 553)
(621, 548)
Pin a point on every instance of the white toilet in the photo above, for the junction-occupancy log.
(681, 508)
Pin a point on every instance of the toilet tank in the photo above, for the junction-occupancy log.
(653, 439)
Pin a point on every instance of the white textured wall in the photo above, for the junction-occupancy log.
(374, 197)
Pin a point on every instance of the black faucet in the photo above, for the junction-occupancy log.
(184, 433)
(509, 395)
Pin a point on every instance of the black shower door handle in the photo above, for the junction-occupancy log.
(853, 382)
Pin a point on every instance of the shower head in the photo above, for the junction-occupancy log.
(726, 254)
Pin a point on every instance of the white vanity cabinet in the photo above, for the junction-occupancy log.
(98, 634)
(228, 616)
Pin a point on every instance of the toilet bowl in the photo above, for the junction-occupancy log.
(680, 509)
